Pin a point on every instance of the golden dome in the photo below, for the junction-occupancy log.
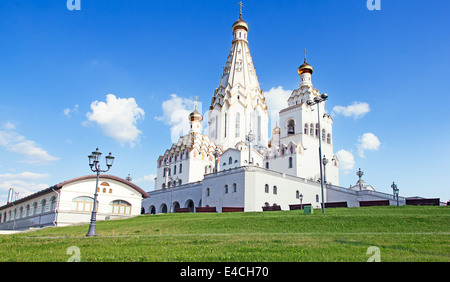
(195, 116)
(276, 130)
(305, 68)
(240, 24)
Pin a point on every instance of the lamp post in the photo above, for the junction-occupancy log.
(250, 137)
(324, 162)
(94, 163)
(395, 190)
(360, 174)
(216, 160)
(301, 201)
(317, 100)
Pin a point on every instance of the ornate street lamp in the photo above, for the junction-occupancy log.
(360, 174)
(250, 138)
(395, 190)
(324, 162)
(301, 201)
(94, 163)
(317, 100)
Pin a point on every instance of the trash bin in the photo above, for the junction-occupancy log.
(308, 210)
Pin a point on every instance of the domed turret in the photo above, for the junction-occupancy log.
(240, 24)
(305, 71)
(195, 119)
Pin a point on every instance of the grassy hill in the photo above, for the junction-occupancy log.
(400, 233)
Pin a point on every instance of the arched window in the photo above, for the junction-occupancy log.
(53, 203)
(181, 168)
(290, 162)
(35, 208)
(43, 203)
(174, 169)
(216, 127)
(83, 204)
(329, 138)
(306, 129)
(176, 206)
(225, 127)
(234, 187)
(297, 194)
(238, 124)
(317, 198)
(208, 192)
(163, 186)
(317, 130)
(323, 135)
(226, 189)
(311, 129)
(259, 127)
(267, 165)
(291, 127)
(275, 190)
(27, 210)
(119, 207)
(230, 160)
(266, 188)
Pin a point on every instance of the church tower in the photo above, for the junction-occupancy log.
(299, 132)
(238, 104)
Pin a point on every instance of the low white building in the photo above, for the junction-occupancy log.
(72, 201)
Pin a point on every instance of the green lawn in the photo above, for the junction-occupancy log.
(400, 234)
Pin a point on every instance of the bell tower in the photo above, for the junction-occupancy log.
(238, 104)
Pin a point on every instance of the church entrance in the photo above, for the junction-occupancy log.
(176, 206)
(190, 204)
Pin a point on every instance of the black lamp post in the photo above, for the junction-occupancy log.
(360, 174)
(395, 189)
(94, 163)
(301, 201)
(250, 138)
(317, 100)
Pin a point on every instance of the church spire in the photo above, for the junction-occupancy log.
(238, 98)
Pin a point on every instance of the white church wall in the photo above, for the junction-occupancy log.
(286, 190)
(181, 194)
(219, 189)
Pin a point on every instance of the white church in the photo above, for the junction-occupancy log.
(235, 167)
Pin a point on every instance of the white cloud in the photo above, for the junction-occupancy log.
(146, 180)
(17, 143)
(276, 98)
(117, 118)
(346, 160)
(355, 110)
(25, 183)
(367, 142)
(68, 111)
(176, 111)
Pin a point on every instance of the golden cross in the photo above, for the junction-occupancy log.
(195, 102)
(242, 5)
(305, 54)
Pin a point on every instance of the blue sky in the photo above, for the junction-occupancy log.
(155, 56)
